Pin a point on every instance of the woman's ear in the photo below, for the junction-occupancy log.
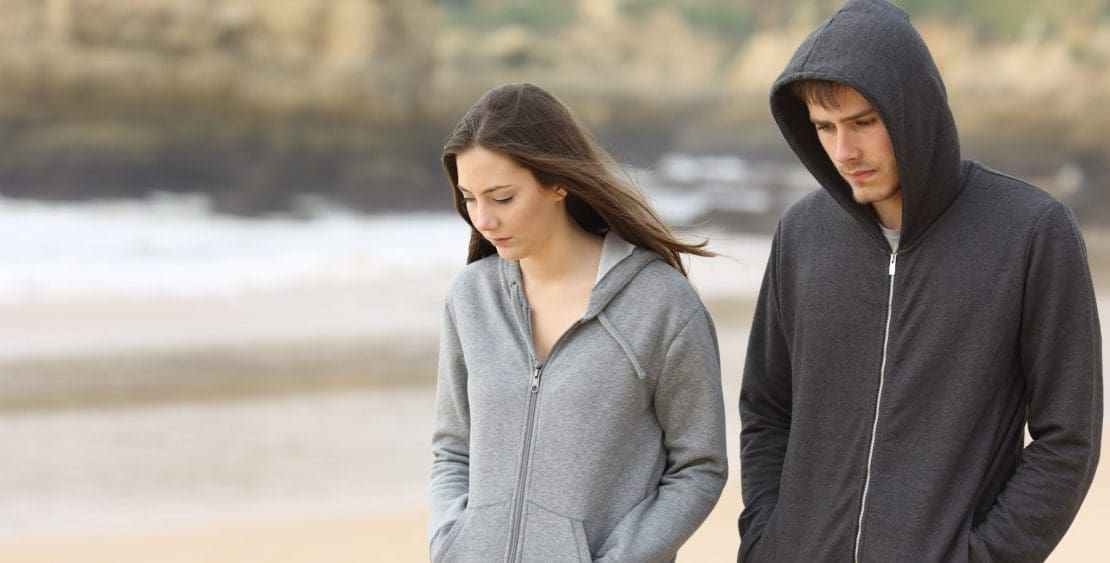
(560, 192)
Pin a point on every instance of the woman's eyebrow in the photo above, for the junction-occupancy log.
(487, 190)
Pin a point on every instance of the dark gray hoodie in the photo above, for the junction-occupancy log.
(885, 396)
(612, 449)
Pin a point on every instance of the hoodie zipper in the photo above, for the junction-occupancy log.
(522, 476)
(878, 403)
(533, 394)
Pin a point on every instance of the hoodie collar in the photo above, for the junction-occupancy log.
(613, 250)
(870, 46)
(620, 262)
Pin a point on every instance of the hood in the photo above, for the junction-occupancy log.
(870, 46)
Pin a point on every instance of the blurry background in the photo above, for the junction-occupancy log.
(225, 236)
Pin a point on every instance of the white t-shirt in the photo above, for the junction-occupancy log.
(892, 236)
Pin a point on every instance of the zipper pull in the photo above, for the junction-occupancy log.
(893, 260)
(535, 379)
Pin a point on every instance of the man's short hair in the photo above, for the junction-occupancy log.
(825, 93)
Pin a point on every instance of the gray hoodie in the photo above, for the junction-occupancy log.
(886, 394)
(611, 450)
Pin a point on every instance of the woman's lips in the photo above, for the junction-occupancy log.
(500, 241)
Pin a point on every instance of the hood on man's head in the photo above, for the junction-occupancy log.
(870, 46)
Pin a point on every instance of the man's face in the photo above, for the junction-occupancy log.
(858, 144)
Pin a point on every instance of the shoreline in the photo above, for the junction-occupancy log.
(280, 368)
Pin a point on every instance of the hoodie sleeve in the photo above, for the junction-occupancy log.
(450, 480)
(1061, 358)
(690, 408)
(765, 406)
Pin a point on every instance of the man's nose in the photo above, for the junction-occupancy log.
(847, 147)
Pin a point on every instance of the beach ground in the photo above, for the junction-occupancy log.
(401, 538)
(392, 527)
(398, 535)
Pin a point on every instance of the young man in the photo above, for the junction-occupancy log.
(917, 314)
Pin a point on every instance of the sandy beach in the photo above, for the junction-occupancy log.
(283, 426)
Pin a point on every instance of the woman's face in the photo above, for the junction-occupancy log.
(507, 204)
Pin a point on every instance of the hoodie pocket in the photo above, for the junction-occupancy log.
(440, 545)
(550, 536)
(749, 540)
(480, 534)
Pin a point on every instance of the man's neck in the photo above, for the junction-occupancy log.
(889, 211)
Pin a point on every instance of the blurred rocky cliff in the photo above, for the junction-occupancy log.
(260, 102)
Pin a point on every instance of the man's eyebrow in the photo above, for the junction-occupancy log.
(487, 190)
(852, 117)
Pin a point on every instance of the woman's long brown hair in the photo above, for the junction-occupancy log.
(529, 125)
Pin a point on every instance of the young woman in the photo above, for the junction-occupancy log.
(579, 414)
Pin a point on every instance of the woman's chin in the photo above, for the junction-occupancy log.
(507, 253)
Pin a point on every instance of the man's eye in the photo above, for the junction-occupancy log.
(824, 127)
(865, 122)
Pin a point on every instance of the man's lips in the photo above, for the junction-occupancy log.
(860, 174)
